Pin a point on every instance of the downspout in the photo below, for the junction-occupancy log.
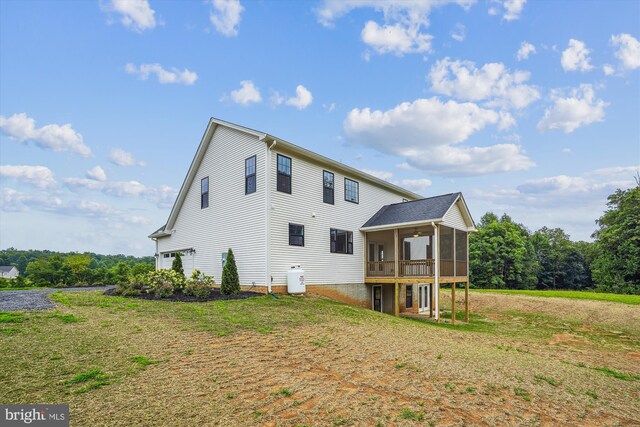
(157, 255)
(436, 269)
(267, 189)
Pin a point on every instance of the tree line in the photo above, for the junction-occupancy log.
(506, 255)
(50, 268)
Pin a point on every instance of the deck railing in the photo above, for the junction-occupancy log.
(381, 268)
(407, 268)
(416, 267)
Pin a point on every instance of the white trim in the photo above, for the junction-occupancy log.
(400, 225)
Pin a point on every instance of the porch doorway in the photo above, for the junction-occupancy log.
(376, 298)
(424, 297)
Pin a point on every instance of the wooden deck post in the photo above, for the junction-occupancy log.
(466, 301)
(396, 300)
(453, 303)
(396, 252)
(431, 299)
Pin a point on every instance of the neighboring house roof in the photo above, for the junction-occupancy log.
(430, 209)
(6, 268)
(280, 143)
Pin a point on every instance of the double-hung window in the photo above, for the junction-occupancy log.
(284, 174)
(296, 235)
(341, 241)
(204, 192)
(351, 190)
(250, 175)
(327, 187)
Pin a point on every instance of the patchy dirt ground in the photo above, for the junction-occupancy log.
(322, 363)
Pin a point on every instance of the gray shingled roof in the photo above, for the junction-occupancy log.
(417, 210)
(5, 268)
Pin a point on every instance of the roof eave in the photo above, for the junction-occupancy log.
(401, 225)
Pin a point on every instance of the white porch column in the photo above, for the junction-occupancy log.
(436, 269)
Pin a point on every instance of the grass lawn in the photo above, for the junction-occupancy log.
(597, 296)
(312, 361)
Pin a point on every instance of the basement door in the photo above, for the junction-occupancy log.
(424, 297)
(376, 296)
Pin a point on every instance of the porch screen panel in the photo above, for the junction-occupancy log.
(446, 251)
(461, 253)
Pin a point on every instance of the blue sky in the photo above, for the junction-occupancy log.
(526, 107)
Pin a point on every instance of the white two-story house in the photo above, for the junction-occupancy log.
(358, 238)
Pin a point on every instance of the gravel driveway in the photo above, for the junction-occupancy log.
(35, 299)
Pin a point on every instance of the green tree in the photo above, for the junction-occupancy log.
(176, 265)
(562, 264)
(616, 266)
(501, 255)
(230, 280)
(78, 264)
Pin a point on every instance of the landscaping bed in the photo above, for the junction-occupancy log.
(214, 295)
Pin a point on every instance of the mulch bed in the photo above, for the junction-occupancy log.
(214, 295)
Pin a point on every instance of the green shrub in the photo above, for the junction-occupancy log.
(163, 283)
(177, 264)
(133, 287)
(230, 280)
(199, 285)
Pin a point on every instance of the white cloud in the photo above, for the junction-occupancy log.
(97, 173)
(15, 201)
(163, 195)
(419, 184)
(458, 33)
(302, 100)
(628, 51)
(174, 76)
(395, 38)
(560, 183)
(135, 14)
(53, 137)
(120, 157)
(570, 202)
(247, 94)
(225, 16)
(568, 113)
(576, 57)
(384, 175)
(608, 70)
(492, 83)
(512, 8)
(617, 170)
(329, 107)
(38, 176)
(424, 131)
(401, 32)
(566, 150)
(404, 166)
(525, 50)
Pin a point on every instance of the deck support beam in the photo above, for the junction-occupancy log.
(396, 300)
(466, 301)
(453, 303)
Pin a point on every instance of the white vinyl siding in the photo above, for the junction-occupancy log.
(233, 220)
(454, 218)
(305, 206)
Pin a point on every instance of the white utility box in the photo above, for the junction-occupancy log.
(295, 280)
